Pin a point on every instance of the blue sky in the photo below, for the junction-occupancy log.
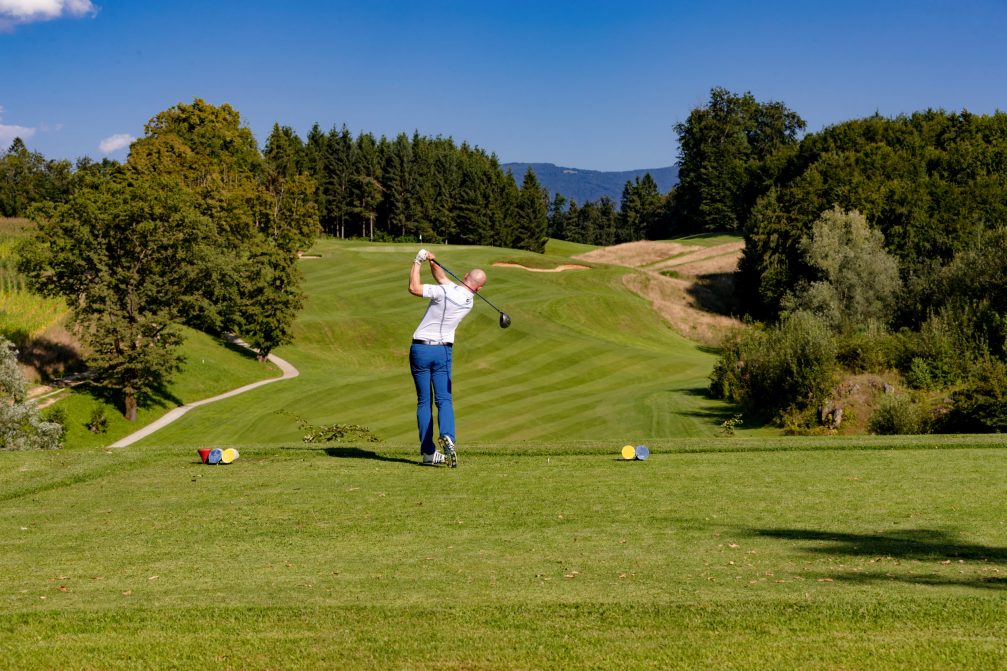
(586, 84)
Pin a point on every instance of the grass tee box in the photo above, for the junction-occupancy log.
(766, 554)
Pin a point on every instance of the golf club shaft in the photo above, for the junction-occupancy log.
(441, 266)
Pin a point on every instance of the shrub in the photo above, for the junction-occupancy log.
(787, 366)
(726, 378)
(898, 415)
(21, 426)
(56, 414)
(869, 350)
(98, 422)
(981, 405)
(919, 375)
(944, 353)
(333, 433)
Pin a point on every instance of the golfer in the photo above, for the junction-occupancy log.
(430, 354)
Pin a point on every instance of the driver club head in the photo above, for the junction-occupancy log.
(504, 320)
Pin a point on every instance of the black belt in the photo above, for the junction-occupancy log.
(430, 342)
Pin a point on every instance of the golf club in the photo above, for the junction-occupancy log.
(504, 317)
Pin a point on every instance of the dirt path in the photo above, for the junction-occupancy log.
(689, 285)
(288, 372)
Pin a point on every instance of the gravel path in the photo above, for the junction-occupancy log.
(288, 372)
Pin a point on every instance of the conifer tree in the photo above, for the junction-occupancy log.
(558, 217)
(365, 185)
(284, 152)
(532, 215)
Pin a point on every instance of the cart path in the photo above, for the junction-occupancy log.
(288, 372)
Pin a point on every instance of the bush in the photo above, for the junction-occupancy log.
(870, 350)
(981, 405)
(898, 415)
(789, 366)
(726, 378)
(943, 354)
(98, 422)
(56, 414)
(333, 433)
(21, 426)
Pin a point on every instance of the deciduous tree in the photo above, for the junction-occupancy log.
(133, 257)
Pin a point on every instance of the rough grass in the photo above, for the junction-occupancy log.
(726, 553)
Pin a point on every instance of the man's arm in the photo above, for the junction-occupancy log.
(415, 283)
(436, 270)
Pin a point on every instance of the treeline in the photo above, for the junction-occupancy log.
(642, 215)
(931, 183)
(412, 188)
(27, 177)
(876, 245)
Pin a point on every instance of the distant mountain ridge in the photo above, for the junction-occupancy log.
(590, 185)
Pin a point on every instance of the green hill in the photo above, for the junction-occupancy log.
(591, 185)
(584, 359)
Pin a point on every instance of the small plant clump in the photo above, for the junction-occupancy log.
(98, 422)
(728, 426)
(333, 433)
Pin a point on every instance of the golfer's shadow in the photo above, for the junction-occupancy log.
(357, 453)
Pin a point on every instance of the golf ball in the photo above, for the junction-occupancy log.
(628, 452)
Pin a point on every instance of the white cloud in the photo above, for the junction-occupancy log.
(8, 133)
(115, 143)
(14, 12)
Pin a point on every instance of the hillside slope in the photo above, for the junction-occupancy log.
(691, 285)
(584, 358)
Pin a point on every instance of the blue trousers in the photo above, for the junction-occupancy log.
(431, 369)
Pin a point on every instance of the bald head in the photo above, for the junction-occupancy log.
(475, 279)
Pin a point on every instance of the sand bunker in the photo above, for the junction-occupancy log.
(557, 269)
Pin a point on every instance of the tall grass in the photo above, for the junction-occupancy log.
(23, 315)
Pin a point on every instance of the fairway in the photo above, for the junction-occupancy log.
(585, 359)
(726, 553)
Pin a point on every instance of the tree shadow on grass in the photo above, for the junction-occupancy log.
(714, 292)
(49, 358)
(720, 413)
(159, 397)
(923, 545)
(237, 349)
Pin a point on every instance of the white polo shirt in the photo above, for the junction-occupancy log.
(449, 304)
